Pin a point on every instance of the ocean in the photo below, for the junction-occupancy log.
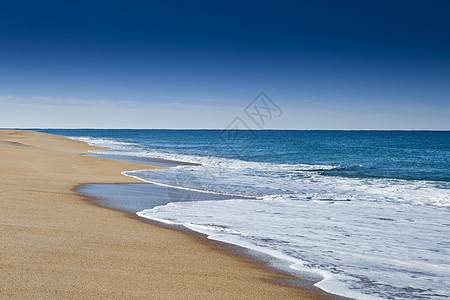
(364, 213)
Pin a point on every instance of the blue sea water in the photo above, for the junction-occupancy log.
(367, 213)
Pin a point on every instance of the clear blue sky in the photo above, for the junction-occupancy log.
(197, 64)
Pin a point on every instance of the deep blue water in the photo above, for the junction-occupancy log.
(416, 155)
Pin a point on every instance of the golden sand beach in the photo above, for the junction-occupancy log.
(54, 243)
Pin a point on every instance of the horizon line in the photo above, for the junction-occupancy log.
(243, 129)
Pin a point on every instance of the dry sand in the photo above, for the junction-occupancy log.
(55, 244)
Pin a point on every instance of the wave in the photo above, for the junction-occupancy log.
(235, 177)
(137, 150)
(356, 248)
(296, 184)
(326, 280)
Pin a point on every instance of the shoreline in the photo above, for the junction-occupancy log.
(248, 255)
(79, 249)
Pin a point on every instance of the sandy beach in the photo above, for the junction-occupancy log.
(55, 244)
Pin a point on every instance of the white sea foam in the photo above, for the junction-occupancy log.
(104, 142)
(133, 149)
(262, 179)
(361, 249)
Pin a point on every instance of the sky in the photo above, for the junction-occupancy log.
(199, 64)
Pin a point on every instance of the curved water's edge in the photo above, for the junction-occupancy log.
(367, 237)
(324, 280)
